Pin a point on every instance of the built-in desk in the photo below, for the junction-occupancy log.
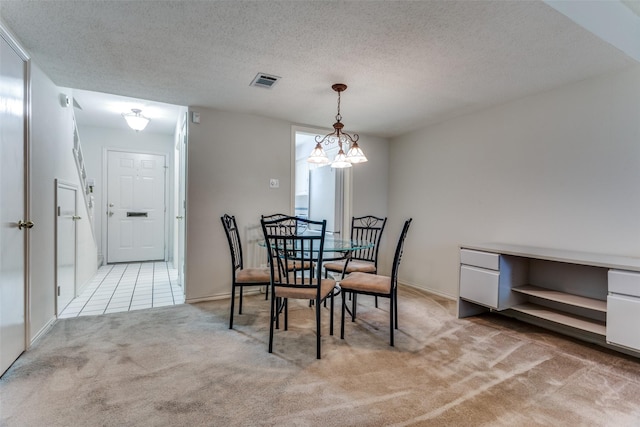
(589, 296)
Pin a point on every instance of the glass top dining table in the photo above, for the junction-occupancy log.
(336, 248)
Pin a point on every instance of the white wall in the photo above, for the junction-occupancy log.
(95, 140)
(231, 158)
(51, 157)
(371, 179)
(559, 169)
(370, 189)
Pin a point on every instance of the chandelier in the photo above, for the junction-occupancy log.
(136, 120)
(342, 160)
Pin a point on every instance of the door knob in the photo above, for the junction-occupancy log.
(179, 217)
(22, 224)
(110, 213)
(76, 217)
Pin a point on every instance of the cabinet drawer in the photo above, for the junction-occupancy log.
(479, 285)
(623, 321)
(480, 259)
(624, 282)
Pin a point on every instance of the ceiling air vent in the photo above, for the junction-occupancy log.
(264, 80)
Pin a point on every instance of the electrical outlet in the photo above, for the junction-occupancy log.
(274, 183)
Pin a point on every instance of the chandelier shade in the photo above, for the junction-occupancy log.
(343, 139)
(355, 154)
(318, 156)
(341, 160)
(136, 120)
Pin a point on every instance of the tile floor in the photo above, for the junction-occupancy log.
(125, 287)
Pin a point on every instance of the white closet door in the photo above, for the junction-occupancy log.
(12, 206)
(66, 244)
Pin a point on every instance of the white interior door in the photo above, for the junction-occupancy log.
(66, 244)
(135, 206)
(12, 206)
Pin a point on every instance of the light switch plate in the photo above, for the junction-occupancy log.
(274, 183)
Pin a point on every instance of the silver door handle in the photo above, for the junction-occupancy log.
(76, 217)
(110, 213)
(179, 217)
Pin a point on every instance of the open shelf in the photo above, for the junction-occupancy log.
(564, 298)
(562, 318)
(591, 297)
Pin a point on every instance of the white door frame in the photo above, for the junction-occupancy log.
(347, 202)
(180, 196)
(104, 208)
(68, 186)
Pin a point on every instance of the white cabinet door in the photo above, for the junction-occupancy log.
(623, 321)
(479, 285)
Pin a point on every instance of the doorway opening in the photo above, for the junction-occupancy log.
(137, 185)
(320, 191)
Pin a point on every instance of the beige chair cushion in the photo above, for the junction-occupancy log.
(367, 282)
(362, 266)
(326, 286)
(295, 265)
(253, 275)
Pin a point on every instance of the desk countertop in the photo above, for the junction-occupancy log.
(559, 255)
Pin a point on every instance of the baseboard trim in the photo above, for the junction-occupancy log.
(222, 296)
(42, 332)
(431, 291)
(262, 291)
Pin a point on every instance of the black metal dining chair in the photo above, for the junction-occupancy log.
(364, 229)
(295, 271)
(240, 276)
(376, 285)
(289, 225)
(369, 229)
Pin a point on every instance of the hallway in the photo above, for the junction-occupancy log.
(127, 287)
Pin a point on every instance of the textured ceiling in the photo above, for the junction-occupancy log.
(407, 64)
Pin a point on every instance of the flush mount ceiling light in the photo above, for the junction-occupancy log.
(342, 160)
(136, 120)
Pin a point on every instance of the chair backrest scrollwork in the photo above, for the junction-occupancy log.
(288, 247)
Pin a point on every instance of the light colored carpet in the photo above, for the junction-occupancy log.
(182, 366)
